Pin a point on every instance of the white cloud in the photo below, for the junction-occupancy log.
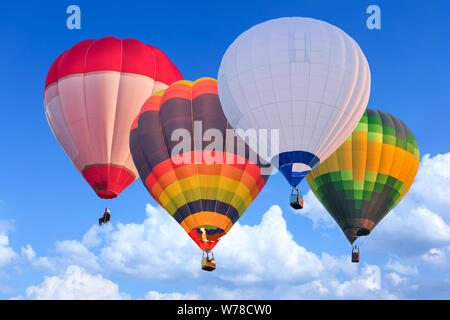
(41, 263)
(421, 220)
(69, 252)
(439, 258)
(251, 254)
(75, 284)
(7, 254)
(154, 295)
(401, 268)
(364, 285)
(259, 261)
(94, 236)
(256, 261)
(315, 211)
(394, 279)
(74, 252)
(432, 184)
(156, 249)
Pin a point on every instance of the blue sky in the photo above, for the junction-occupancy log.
(47, 209)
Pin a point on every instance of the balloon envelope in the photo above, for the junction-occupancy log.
(368, 175)
(303, 76)
(204, 190)
(93, 92)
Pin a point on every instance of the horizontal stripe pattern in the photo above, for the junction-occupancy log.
(212, 187)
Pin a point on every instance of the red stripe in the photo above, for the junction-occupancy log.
(104, 55)
(114, 54)
(166, 71)
(108, 181)
(202, 244)
(138, 58)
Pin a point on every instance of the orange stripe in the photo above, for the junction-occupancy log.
(206, 218)
(237, 174)
(204, 86)
(179, 89)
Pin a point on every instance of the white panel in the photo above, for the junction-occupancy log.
(134, 90)
(101, 93)
(82, 119)
(60, 129)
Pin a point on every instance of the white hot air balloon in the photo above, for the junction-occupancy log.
(303, 76)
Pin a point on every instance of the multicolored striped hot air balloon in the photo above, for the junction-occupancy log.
(368, 175)
(93, 92)
(204, 189)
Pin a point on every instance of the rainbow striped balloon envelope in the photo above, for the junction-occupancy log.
(188, 158)
(368, 175)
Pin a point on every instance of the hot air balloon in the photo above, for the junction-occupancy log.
(93, 92)
(301, 76)
(204, 189)
(368, 175)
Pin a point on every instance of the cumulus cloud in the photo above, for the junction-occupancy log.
(251, 254)
(365, 284)
(421, 221)
(154, 295)
(74, 252)
(394, 279)
(75, 284)
(258, 261)
(315, 211)
(439, 258)
(95, 235)
(432, 184)
(7, 253)
(401, 268)
(41, 263)
(254, 261)
(156, 249)
(69, 252)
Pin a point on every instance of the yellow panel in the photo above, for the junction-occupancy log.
(397, 164)
(359, 154)
(387, 156)
(373, 156)
(205, 181)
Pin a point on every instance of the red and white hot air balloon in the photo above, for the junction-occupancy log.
(93, 92)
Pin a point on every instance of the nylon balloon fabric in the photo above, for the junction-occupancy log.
(368, 175)
(301, 76)
(204, 189)
(93, 92)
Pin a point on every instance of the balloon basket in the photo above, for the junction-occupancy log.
(208, 263)
(296, 200)
(355, 255)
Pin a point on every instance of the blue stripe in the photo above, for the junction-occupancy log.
(211, 231)
(287, 159)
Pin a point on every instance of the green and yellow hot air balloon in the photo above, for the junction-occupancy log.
(368, 175)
